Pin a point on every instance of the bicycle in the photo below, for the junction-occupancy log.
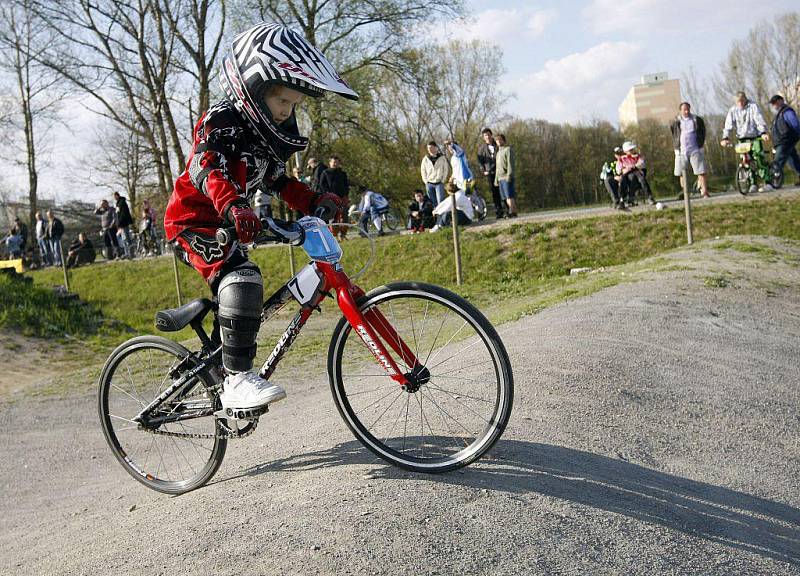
(389, 217)
(748, 168)
(417, 409)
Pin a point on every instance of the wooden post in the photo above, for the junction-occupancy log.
(64, 266)
(687, 203)
(456, 243)
(177, 279)
(291, 260)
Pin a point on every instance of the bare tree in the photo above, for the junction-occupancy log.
(22, 38)
(468, 97)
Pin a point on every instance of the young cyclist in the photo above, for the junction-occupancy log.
(240, 146)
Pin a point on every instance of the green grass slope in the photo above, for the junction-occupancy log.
(504, 264)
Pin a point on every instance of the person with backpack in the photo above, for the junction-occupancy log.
(785, 135)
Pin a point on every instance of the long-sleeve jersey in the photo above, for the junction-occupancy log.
(226, 167)
(747, 122)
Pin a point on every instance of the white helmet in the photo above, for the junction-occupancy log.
(269, 54)
(628, 146)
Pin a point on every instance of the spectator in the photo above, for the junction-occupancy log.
(14, 244)
(55, 230)
(316, 169)
(420, 212)
(505, 174)
(81, 251)
(43, 240)
(632, 168)
(334, 181)
(688, 139)
(487, 161)
(745, 118)
(434, 170)
(785, 134)
(149, 216)
(610, 178)
(461, 173)
(372, 206)
(108, 228)
(22, 228)
(262, 204)
(443, 211)
(124, 221)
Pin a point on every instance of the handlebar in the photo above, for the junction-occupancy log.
(273, 231)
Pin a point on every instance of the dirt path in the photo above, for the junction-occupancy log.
(655, 431)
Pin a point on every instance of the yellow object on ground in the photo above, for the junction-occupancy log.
(15, 264)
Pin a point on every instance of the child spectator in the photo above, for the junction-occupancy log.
(420, 212)
(81, 251)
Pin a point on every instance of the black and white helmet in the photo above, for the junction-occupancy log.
(269, 54)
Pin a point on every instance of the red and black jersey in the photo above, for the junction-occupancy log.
(226, 167)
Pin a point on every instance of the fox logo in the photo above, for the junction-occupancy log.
(208, 249)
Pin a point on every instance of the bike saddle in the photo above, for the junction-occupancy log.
(174, 319)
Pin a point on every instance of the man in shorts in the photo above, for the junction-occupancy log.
(688, 139)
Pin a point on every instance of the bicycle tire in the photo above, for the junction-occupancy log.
(391, 219)
(776, 176)
(743, 180)
(496, 424)
(112, 433)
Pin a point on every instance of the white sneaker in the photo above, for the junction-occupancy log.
(767, 188)
(753, 189)
(434, 229)
(247, 390)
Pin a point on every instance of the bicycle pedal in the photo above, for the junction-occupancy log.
(242, 413)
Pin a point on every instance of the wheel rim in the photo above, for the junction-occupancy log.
(169, 463)
(454, 415)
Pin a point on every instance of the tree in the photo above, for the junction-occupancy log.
(356, 35)
(22, 37)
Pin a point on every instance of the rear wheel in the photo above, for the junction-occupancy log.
(391, 219)
(775, 175)
(743, 179)
(175, 457)
(463, 388)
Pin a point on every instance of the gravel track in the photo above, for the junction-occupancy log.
(655, 431)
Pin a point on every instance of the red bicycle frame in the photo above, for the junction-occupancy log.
(373, 328)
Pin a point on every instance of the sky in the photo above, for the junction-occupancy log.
(566, 61)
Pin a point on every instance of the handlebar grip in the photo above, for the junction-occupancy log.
(226, 236)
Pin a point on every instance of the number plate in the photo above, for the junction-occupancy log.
(304, 286)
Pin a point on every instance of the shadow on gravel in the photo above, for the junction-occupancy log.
(736, 519)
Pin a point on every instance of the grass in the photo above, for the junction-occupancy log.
(36, 311)
(508, 271)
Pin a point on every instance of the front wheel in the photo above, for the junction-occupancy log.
(743, 180)
(463, 392)
(775, 175)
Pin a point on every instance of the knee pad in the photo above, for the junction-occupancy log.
(240, 296)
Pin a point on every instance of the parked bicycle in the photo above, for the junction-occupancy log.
(418, 374)
(749, 170)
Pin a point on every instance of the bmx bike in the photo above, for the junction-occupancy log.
(747, 170)
(418, 374)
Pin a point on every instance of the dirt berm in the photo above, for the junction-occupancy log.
(655, 431)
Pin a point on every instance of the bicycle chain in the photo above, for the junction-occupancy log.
(230, 435)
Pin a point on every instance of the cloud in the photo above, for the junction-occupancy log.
(502, 25)
(582, 85)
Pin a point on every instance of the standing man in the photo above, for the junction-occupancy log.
(43, 240)
(316, 169)
(124, 221)
(505, 174)
(688, 139)
(334, 181)
(785, 134)
(745, 118)
(434, 170)
(55, 230)
(108, 228)
(487, 161)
